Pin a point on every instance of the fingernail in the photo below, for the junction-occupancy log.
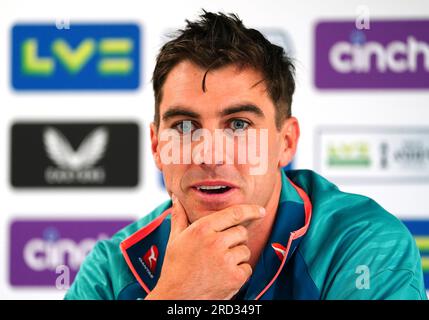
(173, 198)
(262, 211)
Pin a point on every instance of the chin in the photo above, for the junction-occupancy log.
(208, 208)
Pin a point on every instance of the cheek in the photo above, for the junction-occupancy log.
(172, 177)
(275, 145)
(260, 149)
(248, 182)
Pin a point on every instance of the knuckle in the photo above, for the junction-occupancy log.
(228, 257)
(237, 214)
(219, 241)
(246, 252)
(256, 210)
(199, 229)
(204, 228)
(241, 275)
(242, 232)
(245, 271)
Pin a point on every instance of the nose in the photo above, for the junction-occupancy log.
(214, 149)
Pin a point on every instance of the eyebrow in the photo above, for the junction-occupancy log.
(180, 111)
(242, 108)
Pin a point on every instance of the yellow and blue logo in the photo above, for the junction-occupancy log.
(82, 57)
(420, 231)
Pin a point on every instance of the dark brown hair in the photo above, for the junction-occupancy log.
(218, 40)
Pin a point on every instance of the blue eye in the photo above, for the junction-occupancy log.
(239, 124)
(184, 126)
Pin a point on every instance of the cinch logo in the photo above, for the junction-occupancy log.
(150, 259)
(38, 247)
(86, 56)
(391, 54)
(420, 231)
(279, 249)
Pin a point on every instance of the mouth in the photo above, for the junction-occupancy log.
(214, 190)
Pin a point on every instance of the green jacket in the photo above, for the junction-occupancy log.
(325, 244)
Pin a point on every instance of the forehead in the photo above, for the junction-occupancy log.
(225, 86)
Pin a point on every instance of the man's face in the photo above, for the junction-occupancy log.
(236, 100)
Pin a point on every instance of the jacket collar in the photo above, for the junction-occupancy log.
(144, 250)
(281, 244)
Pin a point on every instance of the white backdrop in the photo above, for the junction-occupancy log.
(314, 108)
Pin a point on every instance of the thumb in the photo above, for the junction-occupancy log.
(179, 219)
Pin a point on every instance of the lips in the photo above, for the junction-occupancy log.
(213, 187)
(214, 190)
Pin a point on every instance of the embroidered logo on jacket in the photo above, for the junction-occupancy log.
(279, 250)
(150, 259)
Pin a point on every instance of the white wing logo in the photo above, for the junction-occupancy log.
(90, 151)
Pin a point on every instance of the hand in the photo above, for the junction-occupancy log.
(207, 259)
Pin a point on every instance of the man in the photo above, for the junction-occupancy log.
(244, 229)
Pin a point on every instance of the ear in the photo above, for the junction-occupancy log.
(289, 141)
(154, 145)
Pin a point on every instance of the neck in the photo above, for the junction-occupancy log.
(261, 231)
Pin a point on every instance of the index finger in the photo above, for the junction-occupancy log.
(235, 215)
